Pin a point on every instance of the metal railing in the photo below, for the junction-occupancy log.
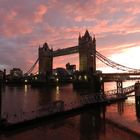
(125, 91)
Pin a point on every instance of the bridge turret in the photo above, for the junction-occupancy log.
(45, 60)
(87, 55)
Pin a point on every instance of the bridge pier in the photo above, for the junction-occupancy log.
(119, 87)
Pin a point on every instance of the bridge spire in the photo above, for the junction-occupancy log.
(79, 38)
(87, 34)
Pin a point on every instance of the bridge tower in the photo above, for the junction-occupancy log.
(87, 53)
(45, 60)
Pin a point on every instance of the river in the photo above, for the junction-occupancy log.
(104, 123)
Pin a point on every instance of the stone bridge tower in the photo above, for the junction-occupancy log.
(87, 53)
(45, 60)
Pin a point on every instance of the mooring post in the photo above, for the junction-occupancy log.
(137, 99)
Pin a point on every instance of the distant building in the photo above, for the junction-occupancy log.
(1, 75)
(70, 68)
(16, 73)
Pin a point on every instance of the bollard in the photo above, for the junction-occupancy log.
(137, 99)
(137, 89)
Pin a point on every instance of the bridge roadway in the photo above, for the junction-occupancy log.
(109, 77)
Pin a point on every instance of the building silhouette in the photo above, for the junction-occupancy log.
(87, 57)
(45, 60)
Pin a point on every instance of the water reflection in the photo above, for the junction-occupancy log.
(25, 89)
(120, 107)
(57, 93)
(137, 105)
(92, 124)
(87, 125)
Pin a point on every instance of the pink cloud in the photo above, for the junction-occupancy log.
(41, 11)
(12, 28)
(115, 25)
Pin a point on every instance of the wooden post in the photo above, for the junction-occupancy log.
(137, 99)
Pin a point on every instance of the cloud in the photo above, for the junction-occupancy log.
(39, 14)
(26, 24)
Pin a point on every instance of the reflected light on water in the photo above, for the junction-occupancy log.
(57, 93)
(25, 90)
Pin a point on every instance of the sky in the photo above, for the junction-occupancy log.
(25, 25)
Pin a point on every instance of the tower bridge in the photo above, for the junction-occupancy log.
(85, 47)
(87, 61)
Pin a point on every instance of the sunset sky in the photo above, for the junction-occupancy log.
(26, 24)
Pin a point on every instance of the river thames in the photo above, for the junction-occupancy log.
(100, 123)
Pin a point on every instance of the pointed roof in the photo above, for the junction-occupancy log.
(45, 45)
(79, 36)
(87, 34)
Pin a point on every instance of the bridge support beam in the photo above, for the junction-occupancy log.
(119, 87)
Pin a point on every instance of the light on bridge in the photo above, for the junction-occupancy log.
(55, 74)
(71, 78)
(85, 77)
(80, 77)
(101, 78)
(57, 79)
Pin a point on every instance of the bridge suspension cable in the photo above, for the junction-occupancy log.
(113, 64)
(32, 68)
